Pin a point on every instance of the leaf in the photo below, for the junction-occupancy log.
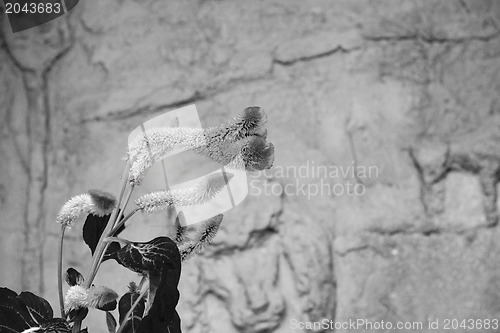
(110, 322)
(126, 302)
(77, 314)
(150, 257)
(14, 313)
(103, 298)
(55, 325)
(162, 317)
(94, 227)
(108, 306)
(37, 306)
(28, 312)
(73, 277)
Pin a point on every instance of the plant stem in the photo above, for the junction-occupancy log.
(100, 245)
(122, 222)
(59, 271)
(77, 326)
(127, 316)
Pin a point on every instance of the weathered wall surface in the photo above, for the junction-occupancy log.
(409, 88)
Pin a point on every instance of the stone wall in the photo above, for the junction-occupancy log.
(406, 89)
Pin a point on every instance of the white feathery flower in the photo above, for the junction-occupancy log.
(76, 297)
(214, 142)
(95, 297)
(205, 190)
(75, 210)
(78, 207)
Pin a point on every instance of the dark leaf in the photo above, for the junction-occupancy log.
(39, 308)
(55, 325)
(162, 317)
(78, 314)
(150, 257)
(112, 248)
(132, 325)
(73, 277)
(108, 306)
(111, 322)
(85, 330)
(14, 313)
(6, 329)
(94, 227)
(126, 302)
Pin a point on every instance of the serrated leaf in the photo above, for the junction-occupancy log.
(73, 277)
(39, 308)
(110, 322)
(150, 257)
(94, 227)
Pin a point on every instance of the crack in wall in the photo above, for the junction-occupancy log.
(35, 165)
(336, 50)
(418, 37)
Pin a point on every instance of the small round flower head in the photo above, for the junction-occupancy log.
(205, 190)
(77, 208)
(95, 297)
(76, 297)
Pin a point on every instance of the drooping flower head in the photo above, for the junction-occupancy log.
(217, 143)
(78, 207)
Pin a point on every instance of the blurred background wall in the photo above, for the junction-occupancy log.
(406, 89)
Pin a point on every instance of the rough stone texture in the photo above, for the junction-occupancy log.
(408, 87)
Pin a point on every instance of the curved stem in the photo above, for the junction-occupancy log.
(59, 271)
(77, 326)
(129, 313)
(101, 246)
(122, 222)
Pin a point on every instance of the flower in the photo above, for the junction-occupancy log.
(95, 297)
(211, 142)
(104, 202)
(205, 190)
(78, 207)
(205, 232)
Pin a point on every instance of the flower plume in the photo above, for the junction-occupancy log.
(214, 142)
(95, 297)
(200, 193)
(204, 233)
(78, 207)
